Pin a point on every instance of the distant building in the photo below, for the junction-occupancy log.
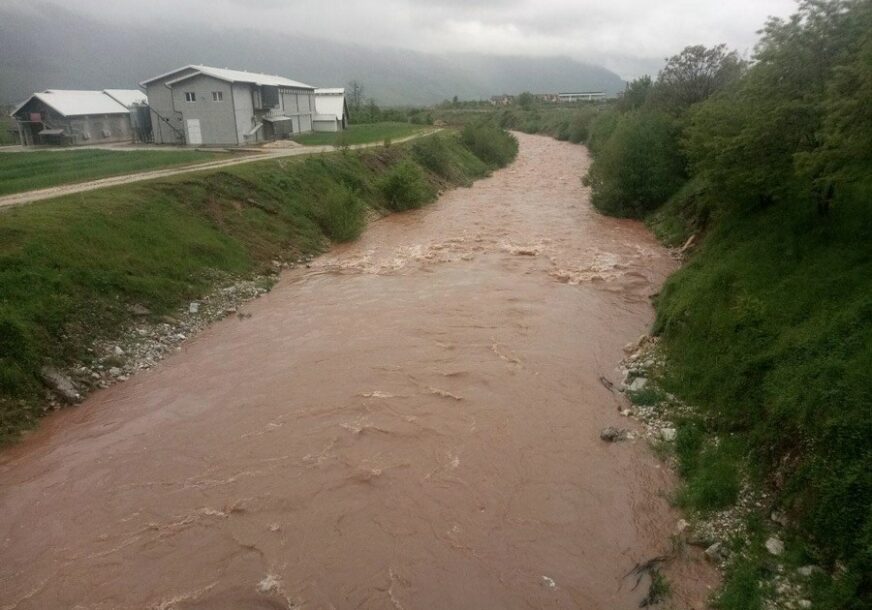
(548, 98)
(72, 117)
(502, 100)
(203, 105)
(331, 111)
(582, 96)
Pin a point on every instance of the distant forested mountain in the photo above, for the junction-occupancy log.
(58, 48)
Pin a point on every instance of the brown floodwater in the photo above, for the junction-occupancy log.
(412, 423)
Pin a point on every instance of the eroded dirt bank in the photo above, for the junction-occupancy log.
(411, 423)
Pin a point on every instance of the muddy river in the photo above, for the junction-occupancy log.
(411, 423)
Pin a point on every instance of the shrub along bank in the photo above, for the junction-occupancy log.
(767, 327)
(72, 269)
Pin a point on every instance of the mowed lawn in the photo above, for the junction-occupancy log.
(27, 171)
(364, 134)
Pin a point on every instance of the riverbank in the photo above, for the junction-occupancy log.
(84, 275)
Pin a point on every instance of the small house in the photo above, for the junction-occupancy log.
(73, 117)
(331, 110)
(202, 105)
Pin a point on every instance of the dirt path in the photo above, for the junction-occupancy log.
(411, 423)
(81, 187)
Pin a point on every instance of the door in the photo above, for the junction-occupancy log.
(194, 135)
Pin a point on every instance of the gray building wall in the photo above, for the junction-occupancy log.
(244, 108)
(164, 117)
(217, 120)
(78, 130)
(226, 122)
(329, 125)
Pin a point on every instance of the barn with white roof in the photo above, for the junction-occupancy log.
(331, 110)
(74, 117)
(202, 105)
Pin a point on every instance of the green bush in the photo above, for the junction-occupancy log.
(341, 214)
(405, 187)
(489, 143)
(433, 154)
(601, 128)
(639, 167)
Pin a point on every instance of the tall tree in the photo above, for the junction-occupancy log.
(693, 75)
(354, 93)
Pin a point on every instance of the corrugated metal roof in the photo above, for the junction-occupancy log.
(69, 102)
(127, 97)
(328, 102)
(233, 76)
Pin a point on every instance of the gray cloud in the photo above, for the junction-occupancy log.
(629, 36)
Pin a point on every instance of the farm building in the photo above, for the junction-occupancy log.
(59, 116)
(203, 105)
(582, 96)
(331, 110)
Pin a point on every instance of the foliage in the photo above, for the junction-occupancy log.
(340, 213)
(781, 133)
(635, 94)
(692, 76)
(441, 156)
(405, 187)
(526, 100)
(490, 143)
(767, 327)
(639, 167)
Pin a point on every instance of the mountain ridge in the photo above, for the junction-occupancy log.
(88, 54)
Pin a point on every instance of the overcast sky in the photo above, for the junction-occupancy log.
(630, 37)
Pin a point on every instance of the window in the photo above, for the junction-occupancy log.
(217, 96)
(190, 96)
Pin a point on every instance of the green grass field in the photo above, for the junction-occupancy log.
(28, 171)
(364, 134)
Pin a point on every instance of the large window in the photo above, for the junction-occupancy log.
(190, 96)
(217, 96)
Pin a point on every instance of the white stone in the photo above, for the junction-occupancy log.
(804, 603)
(194, 307)
(118, 351)
(775, 546)
(668, 434)
(638, 384)
(681, 526)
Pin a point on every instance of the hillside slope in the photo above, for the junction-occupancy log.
(87, 54)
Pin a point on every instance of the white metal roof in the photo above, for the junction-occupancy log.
(330, 102)
(70, 102)
(232, 76)
(127, 97)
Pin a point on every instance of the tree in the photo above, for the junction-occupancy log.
(693, 75)
(636, 93)
(639, 167)
(354, 94)
(525, 100)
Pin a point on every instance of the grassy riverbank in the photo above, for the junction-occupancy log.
(27, 171)
(766, 329)
(72, 268)
(362, 134)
